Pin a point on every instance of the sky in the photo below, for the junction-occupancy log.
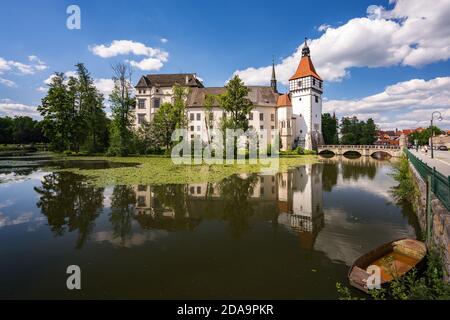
(388, 60)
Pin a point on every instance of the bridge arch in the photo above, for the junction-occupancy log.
(352, 153)
(379, 154)
(326, 153)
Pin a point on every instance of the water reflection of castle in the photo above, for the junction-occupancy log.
(293, 198)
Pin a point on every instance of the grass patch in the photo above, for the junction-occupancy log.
(161, 170)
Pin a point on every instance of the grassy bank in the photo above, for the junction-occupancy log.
(161, 170)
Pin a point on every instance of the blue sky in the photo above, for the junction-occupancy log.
(360, 48)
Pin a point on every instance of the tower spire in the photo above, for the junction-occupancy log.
(273, 80)
(305, 50)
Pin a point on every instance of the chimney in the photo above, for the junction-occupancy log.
(187, 79)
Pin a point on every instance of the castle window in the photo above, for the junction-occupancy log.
(314, 82)
(273, 127)
(211, 116)
(320, 84)
(317, 99)
(272, 117)
(289, 124)
(250, 116)
(191, 117)
(261, 127)
(141, 103)
(299, 83)
(156, 102)
(199, 190)
(141, 118)
(199, 116)
(192, 128)
(144, 91)
(261, 117)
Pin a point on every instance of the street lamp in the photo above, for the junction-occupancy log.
(432, 132)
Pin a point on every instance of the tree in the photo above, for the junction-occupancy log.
(169, 117)
(57, 114)
(164, 123)
(355, 132)
(122, 107)
(423, 137)
(73, 113)
(235, 102)
(330, 129)
(6, 129)
(369, 132)
(93, 122)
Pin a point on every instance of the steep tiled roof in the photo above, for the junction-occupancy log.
(284, 101)
(258, 95)
(169, 80)
(305, 68)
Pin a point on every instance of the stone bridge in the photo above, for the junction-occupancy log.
(364, 150)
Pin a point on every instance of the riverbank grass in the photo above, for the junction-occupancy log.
(161, 170)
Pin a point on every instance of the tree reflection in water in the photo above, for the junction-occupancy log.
(69, 204)
(235, 193)
(123, 201)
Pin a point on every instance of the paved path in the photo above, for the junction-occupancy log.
(441, 160)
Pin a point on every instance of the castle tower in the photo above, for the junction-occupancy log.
(306, 88)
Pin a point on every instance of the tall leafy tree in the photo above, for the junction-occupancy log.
(122, 107)
(235, 102)
(355, 132)
(73, 112)
(330, 129)
(92, 125)
(56, 110)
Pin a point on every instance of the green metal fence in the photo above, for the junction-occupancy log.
(440, 184)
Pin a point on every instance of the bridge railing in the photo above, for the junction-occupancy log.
(440, 184)
(342, 146)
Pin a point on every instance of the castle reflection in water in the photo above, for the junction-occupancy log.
(291, 199)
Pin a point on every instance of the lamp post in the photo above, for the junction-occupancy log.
(432, 132)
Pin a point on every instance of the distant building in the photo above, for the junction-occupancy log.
(297, 115)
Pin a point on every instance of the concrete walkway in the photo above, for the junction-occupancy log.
(441, 160)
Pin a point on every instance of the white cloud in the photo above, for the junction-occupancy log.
(7, 83)
(323, 27)
(105, 86)
(412, 33)
(13, 109)
(21, 68)
(164, 40)
(154, 60)
(405, 104)
(147, 64)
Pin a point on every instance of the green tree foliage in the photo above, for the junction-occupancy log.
(356, 132)
(423, 137)
(235, 102)
(164, 123)
(73, 113)
(330, 129)
(168, 118)
(20, 130)
(122, 107)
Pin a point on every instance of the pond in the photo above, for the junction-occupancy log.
(291, 235)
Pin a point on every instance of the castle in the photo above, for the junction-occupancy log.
(297, 115)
